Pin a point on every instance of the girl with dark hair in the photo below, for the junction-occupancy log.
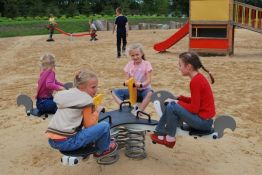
(196, 111)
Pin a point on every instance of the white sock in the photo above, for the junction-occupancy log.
(170, 138)
(160, 137)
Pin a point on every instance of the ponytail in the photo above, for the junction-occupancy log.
(209, 73)
(193, 59)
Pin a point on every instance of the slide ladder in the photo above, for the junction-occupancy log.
(181, 33)
(247, 16)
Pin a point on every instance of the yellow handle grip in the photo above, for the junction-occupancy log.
(97, 100)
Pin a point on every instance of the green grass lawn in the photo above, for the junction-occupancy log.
(26, 27)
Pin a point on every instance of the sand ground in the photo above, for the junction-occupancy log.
(238, 92)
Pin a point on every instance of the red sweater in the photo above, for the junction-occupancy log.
(201, 101)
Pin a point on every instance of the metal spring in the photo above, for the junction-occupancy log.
(135, 144)
(120, 135)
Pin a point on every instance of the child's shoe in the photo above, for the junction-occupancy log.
(112, 148)
(50, 39)
(169, 144)
(155, 139)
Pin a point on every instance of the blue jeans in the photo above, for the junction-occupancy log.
(46, 105)
(123, 94)
(174, 115)
(98, 134)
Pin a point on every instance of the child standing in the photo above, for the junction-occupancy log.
(65, 131)
(121, 27)
(197, 111)
(51, 27)
(93, 30)
(47, 84)
(141, 71)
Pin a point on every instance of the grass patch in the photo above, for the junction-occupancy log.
(26, 27)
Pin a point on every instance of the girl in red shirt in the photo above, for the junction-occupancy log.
(197, 111)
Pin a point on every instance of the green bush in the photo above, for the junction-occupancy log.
(19, 19)
(63, 17)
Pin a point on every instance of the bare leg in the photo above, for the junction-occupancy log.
(117, 100)
(146, 101)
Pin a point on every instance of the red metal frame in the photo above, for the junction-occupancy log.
(201, 43)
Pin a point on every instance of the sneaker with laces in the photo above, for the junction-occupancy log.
(112, 148)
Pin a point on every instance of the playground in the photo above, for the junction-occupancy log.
(237, 91)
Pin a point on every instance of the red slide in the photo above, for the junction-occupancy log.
(181, 33)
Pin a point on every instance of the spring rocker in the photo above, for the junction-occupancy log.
(129, 130)
(220, 123)
(27, 102)
(69, 158)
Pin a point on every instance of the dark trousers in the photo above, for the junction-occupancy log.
(46, 106)
(120, 37)
(51, 31)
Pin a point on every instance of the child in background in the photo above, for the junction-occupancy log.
(141, 71)
(65, 131)
(121, 27)
(93, 30)
(197, 111)
(47, 84)
(51, 27)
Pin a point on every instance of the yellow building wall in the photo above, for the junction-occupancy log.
(210, 10)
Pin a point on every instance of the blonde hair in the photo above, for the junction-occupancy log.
(82, 77)
(137, 46)
(47, 61)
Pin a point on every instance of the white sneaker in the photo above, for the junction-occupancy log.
(135, 110)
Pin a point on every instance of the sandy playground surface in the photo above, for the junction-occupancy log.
(238, 92)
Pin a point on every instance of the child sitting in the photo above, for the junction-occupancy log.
(93, 30)
(47, 84)
(141, 71)
(197, 110)
(65, 130)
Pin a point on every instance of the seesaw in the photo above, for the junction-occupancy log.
(128, 131)
(221, 122)
(27, 102)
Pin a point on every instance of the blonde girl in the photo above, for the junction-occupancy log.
(47, 84)
(65, 130)
(141, 70)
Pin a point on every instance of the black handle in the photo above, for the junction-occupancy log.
(144, 113)
(124, 102)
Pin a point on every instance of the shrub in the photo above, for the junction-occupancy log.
(63, 17)
(19, 18)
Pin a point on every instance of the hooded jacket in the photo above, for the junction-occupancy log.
(68, 117)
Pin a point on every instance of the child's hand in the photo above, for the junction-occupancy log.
(100, 109)
(125, 83)
(138, 84)
(169, 100)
